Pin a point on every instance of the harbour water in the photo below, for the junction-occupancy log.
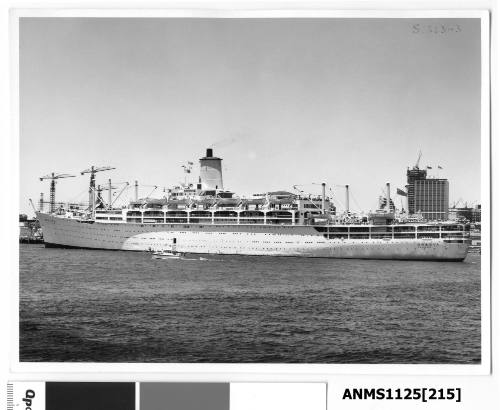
(113, 306)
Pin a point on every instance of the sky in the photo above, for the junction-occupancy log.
(283, 101)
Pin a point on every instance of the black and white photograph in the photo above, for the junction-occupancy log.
(292, 190)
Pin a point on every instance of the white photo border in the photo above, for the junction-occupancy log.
(242, 372)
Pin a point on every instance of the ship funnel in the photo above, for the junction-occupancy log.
(211, 172)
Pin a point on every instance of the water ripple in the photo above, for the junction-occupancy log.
(99, 306)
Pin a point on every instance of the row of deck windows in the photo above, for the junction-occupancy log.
(291, 218)
(203, 217)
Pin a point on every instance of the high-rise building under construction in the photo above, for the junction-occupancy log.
(427, 196)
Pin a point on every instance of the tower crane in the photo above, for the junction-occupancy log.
(53, 177)
(418, 159)
(92, 171)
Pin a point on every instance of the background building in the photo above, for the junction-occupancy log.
(427, 196)
(412, 175)
(472, 215)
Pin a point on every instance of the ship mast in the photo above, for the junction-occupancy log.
(388, 197)
(323, 198)
(92, 197)
(347, 199)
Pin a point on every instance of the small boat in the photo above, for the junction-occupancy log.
(171, 253)
(167, 255)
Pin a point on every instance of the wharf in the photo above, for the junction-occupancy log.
(29, 230)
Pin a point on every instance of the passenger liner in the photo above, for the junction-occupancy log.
(206, 219)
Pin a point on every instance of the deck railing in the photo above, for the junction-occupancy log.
(398, 231)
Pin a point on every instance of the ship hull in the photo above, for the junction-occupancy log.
(262, 240)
